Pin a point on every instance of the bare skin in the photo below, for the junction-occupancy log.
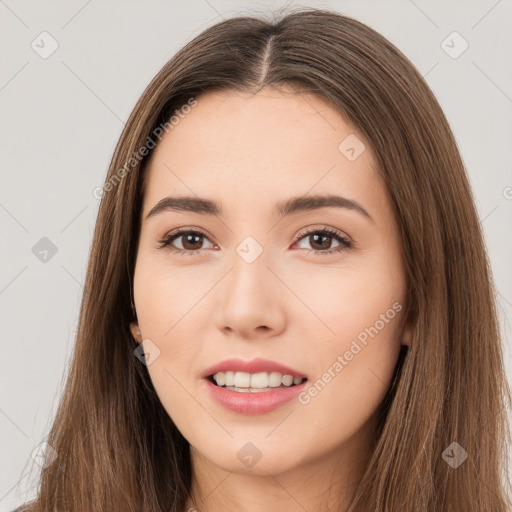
(293, 304)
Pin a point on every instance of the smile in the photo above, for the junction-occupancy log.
(244, 382)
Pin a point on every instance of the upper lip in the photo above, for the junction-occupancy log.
(254, 366)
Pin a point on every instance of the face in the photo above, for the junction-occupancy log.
(318, 287)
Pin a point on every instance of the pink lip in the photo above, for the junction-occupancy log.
(253, 403)
(254, 366)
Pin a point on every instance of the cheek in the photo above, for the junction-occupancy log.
(165, 302)
(166, 297)
(352, 375)
(357, 342)
(343, 301)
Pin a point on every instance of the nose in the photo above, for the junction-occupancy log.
(251, 301)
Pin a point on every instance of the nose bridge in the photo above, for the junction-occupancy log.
(250, 275)
(249, 298)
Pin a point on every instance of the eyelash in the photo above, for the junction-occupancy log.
(345, 243)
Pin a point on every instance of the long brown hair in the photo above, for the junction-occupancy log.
(117, 447)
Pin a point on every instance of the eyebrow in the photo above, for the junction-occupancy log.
(283, 208)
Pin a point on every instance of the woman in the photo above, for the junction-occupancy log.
(288, 303)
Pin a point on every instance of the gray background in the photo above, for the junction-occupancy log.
(61, 118)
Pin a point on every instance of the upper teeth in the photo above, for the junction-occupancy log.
(255, 380)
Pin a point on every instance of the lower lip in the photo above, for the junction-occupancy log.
(253, 403)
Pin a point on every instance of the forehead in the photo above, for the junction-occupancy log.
(243, 147)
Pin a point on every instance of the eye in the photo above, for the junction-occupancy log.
(321, 240)
(191, 243)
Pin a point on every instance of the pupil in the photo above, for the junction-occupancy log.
(190, 239)
(315, 238)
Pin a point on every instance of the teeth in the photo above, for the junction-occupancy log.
(274, 379)
(220, 378)
(259, 380)
(255, 380)
(287, 380)
(242, 380)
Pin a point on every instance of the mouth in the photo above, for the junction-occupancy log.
(243, 382)
(256, 386)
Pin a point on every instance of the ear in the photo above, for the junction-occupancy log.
(407, 334)
(134, 328)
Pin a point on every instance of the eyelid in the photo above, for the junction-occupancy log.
(324, 228)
